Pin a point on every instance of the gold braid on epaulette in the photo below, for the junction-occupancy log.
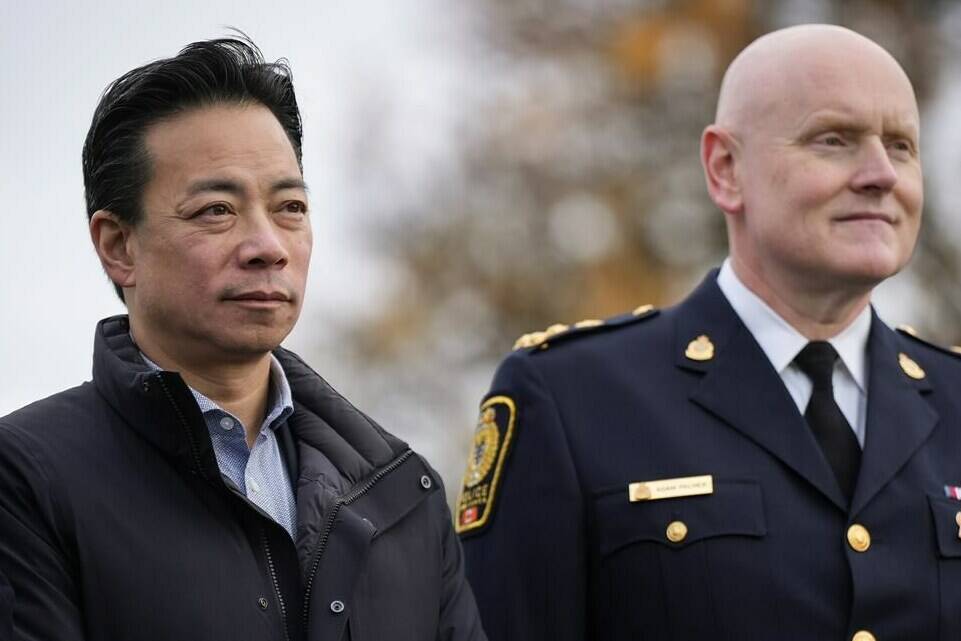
(907, 330)
(535, 339)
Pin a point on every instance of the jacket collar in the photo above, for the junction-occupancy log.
(741, 387)
(900, 417)
(326, 421)
(158, 406)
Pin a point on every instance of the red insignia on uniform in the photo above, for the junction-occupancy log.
(953, 492)
(468, 516)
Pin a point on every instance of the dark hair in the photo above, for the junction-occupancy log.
(116, 166)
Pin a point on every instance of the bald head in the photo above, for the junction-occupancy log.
(815, 159)
(785, 65)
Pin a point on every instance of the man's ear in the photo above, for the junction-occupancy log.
(112, 238)
(719, 159)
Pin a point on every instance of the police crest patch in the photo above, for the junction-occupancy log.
(492, 438)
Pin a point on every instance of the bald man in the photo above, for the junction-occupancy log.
(766, 460)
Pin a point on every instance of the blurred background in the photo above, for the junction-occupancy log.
(478, 169)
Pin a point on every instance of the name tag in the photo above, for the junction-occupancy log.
(671, 488)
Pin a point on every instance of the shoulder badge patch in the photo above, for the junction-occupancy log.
(492, 439)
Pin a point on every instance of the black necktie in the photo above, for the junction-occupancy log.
(824, 417)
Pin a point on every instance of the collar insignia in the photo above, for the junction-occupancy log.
(700, 349)
(909, 367)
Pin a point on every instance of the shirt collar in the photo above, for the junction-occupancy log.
(279, 400)
(780, 341)
(851, 345)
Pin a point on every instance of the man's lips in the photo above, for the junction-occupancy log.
(261, 296)
(866, 216)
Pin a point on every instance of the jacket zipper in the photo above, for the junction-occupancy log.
(329, 524)
(183, 423)
(273, 578)
(199, 468)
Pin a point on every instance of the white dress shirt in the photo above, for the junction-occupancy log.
(781, 343)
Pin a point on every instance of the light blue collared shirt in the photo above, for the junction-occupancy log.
(781, 343)
(257, 472)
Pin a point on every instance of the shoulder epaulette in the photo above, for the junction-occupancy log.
(910, 332)
(560, 331)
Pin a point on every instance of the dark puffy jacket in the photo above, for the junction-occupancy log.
(115, 523)
(6, 609)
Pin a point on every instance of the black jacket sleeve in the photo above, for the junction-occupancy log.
(6, 609)
(32, 549)
(527, 563)
(459, 618)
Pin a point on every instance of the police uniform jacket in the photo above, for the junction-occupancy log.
(115, 522)
(557, 550)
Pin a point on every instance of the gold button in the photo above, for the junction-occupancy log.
(863, 635)
(676, 531)
(860, 540)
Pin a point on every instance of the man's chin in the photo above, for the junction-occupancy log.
(249, 343)
(867, 273)
(254, 332)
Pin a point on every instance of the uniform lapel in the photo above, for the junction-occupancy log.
(899, 418)
(741, 387)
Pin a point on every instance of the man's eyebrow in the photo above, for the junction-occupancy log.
(839, 121)
(215, 184)
(905, 129)
(834, 120)
(289, 183)
(235, 188)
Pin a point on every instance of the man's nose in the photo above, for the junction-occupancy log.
(262, 245)
(876, 172)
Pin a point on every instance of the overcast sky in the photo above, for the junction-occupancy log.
(403, 60)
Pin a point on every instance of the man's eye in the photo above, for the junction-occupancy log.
(215, 210)
(833, 140)
(295, 207)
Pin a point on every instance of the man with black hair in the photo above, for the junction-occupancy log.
(207, 484)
